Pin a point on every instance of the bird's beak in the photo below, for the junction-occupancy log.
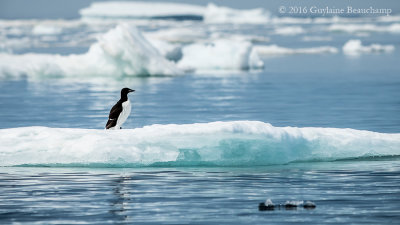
(130, 90)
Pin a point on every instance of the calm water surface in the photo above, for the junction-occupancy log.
(303, 91)
(364, 192)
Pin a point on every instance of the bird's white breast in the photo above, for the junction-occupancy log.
(126, 110)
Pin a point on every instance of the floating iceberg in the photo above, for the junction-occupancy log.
(120, 9)
(220, 14)
(43, 29)
(354, 47)
(170, 51)
(267, 50)
(222, 54)
(122, 51)
(238, 143)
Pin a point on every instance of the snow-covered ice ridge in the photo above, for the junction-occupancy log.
(236, 143)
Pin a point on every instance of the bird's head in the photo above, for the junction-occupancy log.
(125, 91)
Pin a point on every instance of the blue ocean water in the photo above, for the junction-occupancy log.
(302, 91)
(52, 176)
(354, 192)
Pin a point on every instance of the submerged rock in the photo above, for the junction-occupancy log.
(309, 205)
(289, 205)
(267, 205)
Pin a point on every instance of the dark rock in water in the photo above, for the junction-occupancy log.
(290, 206)
(267, 205)
(263, 207)
(309, 205)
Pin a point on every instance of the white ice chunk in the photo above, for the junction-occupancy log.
(123, 51)
(222, 54)
(354, 47)
(220, 14)
(289, 31)
(352, 28)
(137, 9)
(43, 29)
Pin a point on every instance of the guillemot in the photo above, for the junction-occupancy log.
(120, 111)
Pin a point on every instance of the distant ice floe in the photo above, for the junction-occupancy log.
(240, 37)
(236, 143)
(355, 47)
(9, 44)
(222, 54)
(121, 9)
(316, 38)
(389, 19)
(122, 51)
(268, 50)
(352, 28)
(289, 31)
(291, 20)
(42, 29)
(164, 10)
(220, 14)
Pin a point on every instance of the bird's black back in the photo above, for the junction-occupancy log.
(114, 114)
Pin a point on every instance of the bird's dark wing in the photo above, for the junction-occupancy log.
(113, 116)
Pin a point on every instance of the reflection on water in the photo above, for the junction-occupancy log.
(120, 204)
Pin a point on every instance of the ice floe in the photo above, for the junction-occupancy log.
(221, 14)
(351, 28)
(137, 9)
(222, 54)
(123, 51)
(236, 143)
(291, 30)
(354, 47)
(267, 50)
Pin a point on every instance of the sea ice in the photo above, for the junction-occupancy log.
(123, 51)
(268, 50)
(236, 143)
(137, 9)
(222, 54)
(221, 14)
(354, 47)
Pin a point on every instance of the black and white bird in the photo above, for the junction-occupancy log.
(120, 111)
